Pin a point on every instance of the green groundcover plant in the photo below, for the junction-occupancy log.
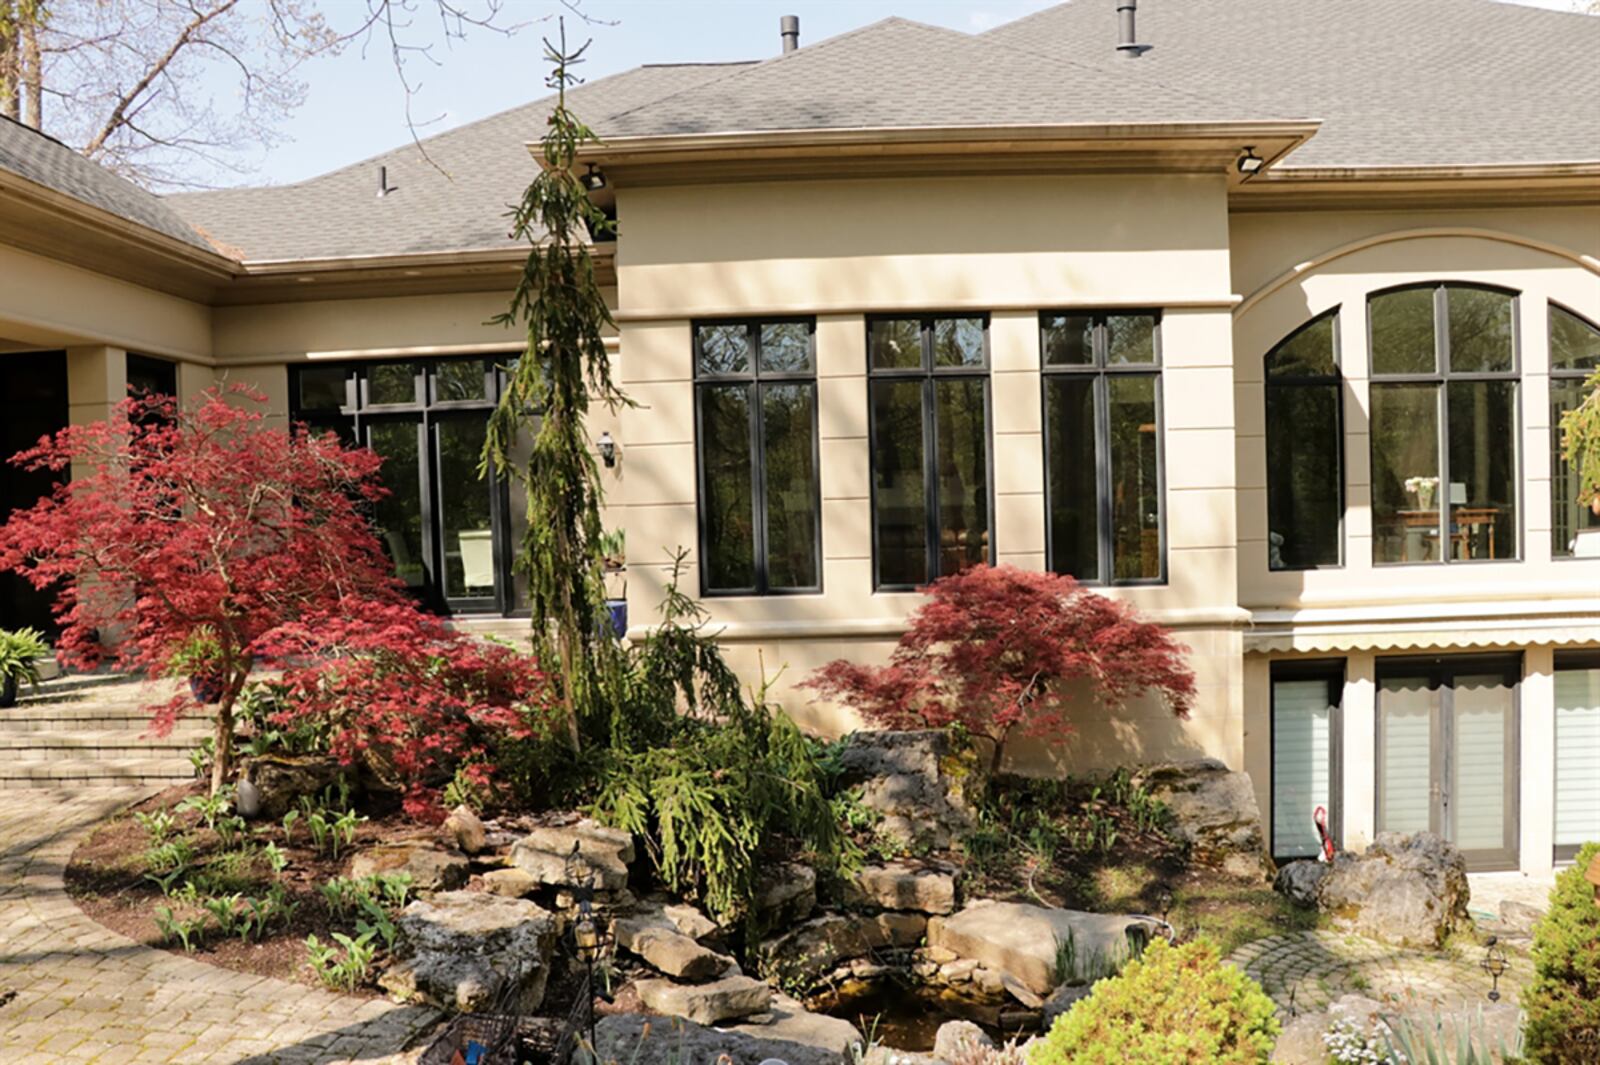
(1563, 1002)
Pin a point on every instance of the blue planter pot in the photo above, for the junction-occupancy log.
(206, 688)
(619, 617)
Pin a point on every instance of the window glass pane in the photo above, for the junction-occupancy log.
(1483, 467)
(1309, 353)
(789, 418)
(1480, 330)
(896, 343)
(391, 382)
(466, 530)
(724, 348)
(1402, 332)
(963, 465)
(1481, 749)
(1068, 340)
(399, 514)
(1302, 738)
(1130, 340)
(1567, 518)
(459, 381)
(1405, 473)
(1135, 486)
(1574, 343)
(1303, 474)
(728, 508)
(1405, 739)
(785, 347)
(899, 511)
(322, 387)
(958, 342)
(1577, 785)
(1074, 477)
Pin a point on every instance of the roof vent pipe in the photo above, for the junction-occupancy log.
(1127, 37)
(789, 30)
(384, 188)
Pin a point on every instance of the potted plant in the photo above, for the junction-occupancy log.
(199, 658)
(19, 655)
(1580, 447)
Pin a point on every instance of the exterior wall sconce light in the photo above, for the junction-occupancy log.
(608, 450)
(1495, 964)
(1250, 163)
(592, 179)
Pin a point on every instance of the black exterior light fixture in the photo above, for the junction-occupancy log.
(608, 450)
(1250, 163)
(590, 935)
(592, 179)
(1495, 964)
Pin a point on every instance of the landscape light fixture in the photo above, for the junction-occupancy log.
(608, 450)
(592, 179)
(1495, 964)
(1250, 163)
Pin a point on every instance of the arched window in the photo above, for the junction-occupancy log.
(1305, 448)
(1574, 355)
(1443, 424)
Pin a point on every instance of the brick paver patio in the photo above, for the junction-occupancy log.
(80, 992)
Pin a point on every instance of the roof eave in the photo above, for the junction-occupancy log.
(1553, 183)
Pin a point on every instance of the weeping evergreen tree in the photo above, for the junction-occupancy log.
(563, 369)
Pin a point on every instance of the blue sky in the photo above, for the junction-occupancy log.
(355, 107)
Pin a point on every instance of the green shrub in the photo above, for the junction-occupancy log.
(1563, 1002)
(1172, 1006)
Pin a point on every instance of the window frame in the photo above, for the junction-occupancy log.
(1336, 381)
(926, 373)
(753, 379)
(355, 417)
(1101, 370)
(1564, 375)
(1335, 672)
(1441, 376)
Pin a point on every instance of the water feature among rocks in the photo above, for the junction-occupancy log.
(898, 1012)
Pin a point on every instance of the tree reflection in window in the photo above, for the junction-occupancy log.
(1305, 447)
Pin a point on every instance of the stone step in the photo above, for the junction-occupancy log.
(90, 774)
(48, 717)
(66, 746)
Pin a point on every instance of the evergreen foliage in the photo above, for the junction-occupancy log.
(1563, 1002)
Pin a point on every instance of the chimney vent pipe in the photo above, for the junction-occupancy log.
(789, 30)
(1127, 35)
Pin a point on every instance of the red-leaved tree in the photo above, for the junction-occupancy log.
(999, 650)
(406, 696)
(197, 521)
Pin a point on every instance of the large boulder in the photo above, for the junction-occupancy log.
(465, 950)
(922, 782)
(902, 885)
(1407, 890)
(284, 779)
(429, 868)
(960, 1041)
(1213, 810)
(642, 1040)
(729, 998)
(1025, 941)
(807, 952)
(581, 854)
(1300, 880)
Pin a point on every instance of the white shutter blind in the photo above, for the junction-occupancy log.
(1482, 742)
(1301, 735)
(1406, 715)
(1577, 781)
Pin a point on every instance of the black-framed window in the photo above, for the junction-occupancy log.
(928, 399)
(1444, 424)
(1305, 448)
(1577, 752)
(1104, 470)
(756, 427)
(1574, 355)
(1307, 749)
(448, 532)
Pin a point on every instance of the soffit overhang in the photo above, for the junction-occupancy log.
(1543, 184)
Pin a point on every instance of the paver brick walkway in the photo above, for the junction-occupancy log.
(80, 992)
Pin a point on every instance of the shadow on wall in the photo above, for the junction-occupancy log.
(1104, 738)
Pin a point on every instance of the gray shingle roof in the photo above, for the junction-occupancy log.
(1395, 82)
(46, 161)
(487, 162)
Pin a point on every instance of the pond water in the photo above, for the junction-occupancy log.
(899, 1015)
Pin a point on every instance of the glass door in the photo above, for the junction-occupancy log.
(1577, 766)
(1305, 747)
(1447, 753)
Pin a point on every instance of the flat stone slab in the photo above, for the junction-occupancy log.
(653, 936)
(729, 998)
(641, 1040)
(791, 1022)
(567, 855)
(811, 949)
(430, 868)
(1020, 939)
(902, 885)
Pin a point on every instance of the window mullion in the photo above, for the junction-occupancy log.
(758, 487)
(1103, 477)
(930, 456)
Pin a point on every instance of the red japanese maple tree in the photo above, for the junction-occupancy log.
(1000, 650)
(197, 519)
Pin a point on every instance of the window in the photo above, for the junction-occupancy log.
(1305, 448)
(1574, 355)
(756, 403)
(1443, 424)
(1306, 729)
(447, 531)
(1577, 784)
(928, 399)
(1102, 446)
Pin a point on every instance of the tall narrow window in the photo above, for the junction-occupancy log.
(1574, 355)
(1577, 736)
(1443, 424)
(928, 392)
(1306, 698)
(1305, 446)
(1102, 441)
(760, 509)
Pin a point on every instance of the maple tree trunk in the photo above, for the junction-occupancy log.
(222, 755)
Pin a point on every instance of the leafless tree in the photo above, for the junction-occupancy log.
(180, 93)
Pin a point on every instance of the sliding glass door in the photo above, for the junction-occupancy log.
(1447, 752)
(1306, 725)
